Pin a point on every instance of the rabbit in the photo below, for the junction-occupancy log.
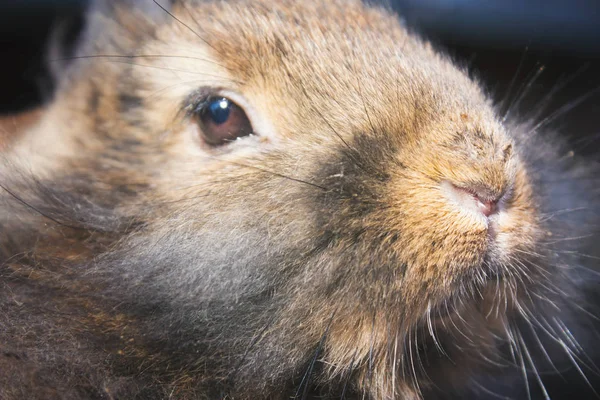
(264, 200)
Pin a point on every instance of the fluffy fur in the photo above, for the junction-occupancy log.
(319, 257)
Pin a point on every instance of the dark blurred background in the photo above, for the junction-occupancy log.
(527, 52)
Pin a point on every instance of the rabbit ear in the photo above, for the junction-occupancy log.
(36, 34)
(64, 33)
(63, 40)
(102, 26)
(151, 9)
(120, 23)
(32, 32)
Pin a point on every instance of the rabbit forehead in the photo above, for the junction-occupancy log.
(353, 64)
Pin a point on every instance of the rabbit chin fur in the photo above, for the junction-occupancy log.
(318, 257)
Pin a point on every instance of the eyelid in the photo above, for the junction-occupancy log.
(199, 99)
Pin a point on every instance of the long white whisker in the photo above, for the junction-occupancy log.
(530, 360)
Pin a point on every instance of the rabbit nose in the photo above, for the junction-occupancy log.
(474, 198)
(486, 206)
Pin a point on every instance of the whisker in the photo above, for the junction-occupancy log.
(542, 348)
(548, 216)
(348, 375)
(353, 151)
(535, 371)
(504, 102)
(362, 99)
(568, 239)
(567, 335)
(223, 78)
(275, 174)
(38, 211)
(371, 345)
(522, 364)
(394, 362)
(139, 56)
(543, 103)
(576, 365)
(367, 378)
(186, 25)
(587, 312)
(488, 391)
(565, 109)
(415, 380)
(432, 332)
(525, 90)
(586, 141)
(578, 347)
(306, 378)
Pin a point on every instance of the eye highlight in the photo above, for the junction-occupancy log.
(222, 121)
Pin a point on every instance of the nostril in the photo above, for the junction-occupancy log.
(474, 198)
(487, 207)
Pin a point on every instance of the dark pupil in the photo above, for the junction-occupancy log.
(219, 110)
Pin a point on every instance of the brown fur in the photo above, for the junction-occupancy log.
(319, 255)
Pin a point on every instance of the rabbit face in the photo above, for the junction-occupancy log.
(267, 186)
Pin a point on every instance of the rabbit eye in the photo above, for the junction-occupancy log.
(222, 121)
